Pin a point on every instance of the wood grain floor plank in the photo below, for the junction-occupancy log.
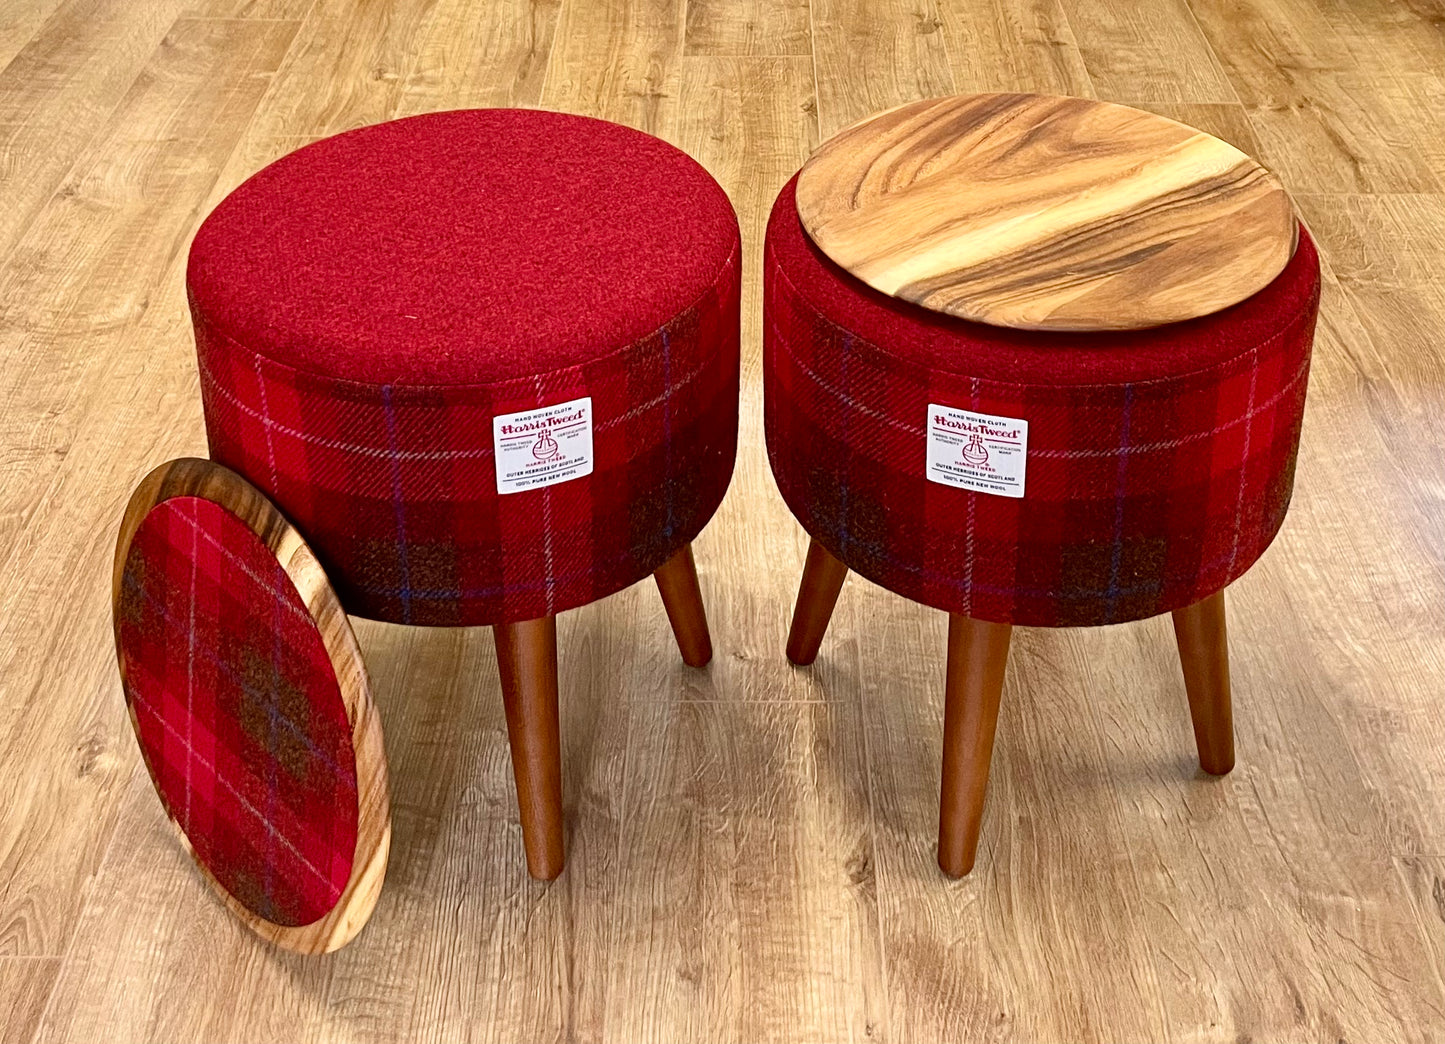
(749, 27)
(282, 10)
(1014, 45)
(751, 123)
(871, 56)
(1320, 108)
(1014, 951)
(193, 972)
(59, 91)
(25, 985)
(618, 64)
(20, 21)
(1382, 248)
(347, 68)
(791, 813)
(93, 258)
(470, 940)
(1146, 52)
(1399, 35)
(1425, 881)
(465, 58)
(99, 252)
(716, 950)
(1265, 887)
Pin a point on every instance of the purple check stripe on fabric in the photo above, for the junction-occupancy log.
(238, 711)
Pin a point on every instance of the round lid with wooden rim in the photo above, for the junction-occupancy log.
(1046, 213)
(250, 703)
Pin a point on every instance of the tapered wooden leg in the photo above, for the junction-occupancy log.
(682, 598)
(1204, 655)
(527, 662)
(823, 577)
(977, 654)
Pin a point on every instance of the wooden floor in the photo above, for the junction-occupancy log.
(751, 846)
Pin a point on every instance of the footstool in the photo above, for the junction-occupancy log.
(1036, 361)
(469, 368)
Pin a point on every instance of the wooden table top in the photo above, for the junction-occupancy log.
(1046, 213)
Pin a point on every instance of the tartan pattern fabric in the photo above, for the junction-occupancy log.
(237, 711)
(1142, 496)
(394, 485)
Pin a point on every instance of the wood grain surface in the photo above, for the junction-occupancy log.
(192, 477)
(751, 848)
(1044, 212)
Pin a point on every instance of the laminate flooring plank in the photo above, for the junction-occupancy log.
(58, 91)
(751, 123)
(618, 62)
(1320, 108)
(1150, 52)
(748, 896)
(89, 266)
(348, 67)
(25, 985)
(749, 27)
(872, 55)
(1048, 938)
(1013, 45)
(466, 57)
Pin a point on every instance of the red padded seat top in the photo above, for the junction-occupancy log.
(461, 247)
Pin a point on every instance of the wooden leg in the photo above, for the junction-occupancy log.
(1204, 655)
(977, 653)
(823, 577)
(682, 598)
(527, 662)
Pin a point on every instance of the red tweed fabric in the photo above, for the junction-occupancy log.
(1160, 462)
(365, 306)
(237, 711)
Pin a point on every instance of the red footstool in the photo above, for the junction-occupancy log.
(486, 364)
(1066, 475)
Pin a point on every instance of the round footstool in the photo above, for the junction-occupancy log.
(486, 363)
(1114, 460)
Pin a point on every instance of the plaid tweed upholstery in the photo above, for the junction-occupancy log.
(395, 487)
(1159, 467)
(237, 711)
(537, 258)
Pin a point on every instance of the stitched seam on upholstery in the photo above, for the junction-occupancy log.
(712, 289)
(1243, 467)
(209, 379)
(1052, 454)
(908, 365)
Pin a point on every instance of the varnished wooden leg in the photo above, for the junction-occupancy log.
(1204, 655)
(527, 662)
(823, 577)
(682, 598)
(977, 653)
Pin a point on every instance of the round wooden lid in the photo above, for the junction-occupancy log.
(249, 700)
(1046, 213)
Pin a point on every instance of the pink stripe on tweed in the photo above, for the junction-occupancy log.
(238, 711)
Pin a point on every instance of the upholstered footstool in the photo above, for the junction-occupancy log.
(471, 368)
(1035, 361)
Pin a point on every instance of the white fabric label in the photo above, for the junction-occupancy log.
(976, 451)
(543, 447)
